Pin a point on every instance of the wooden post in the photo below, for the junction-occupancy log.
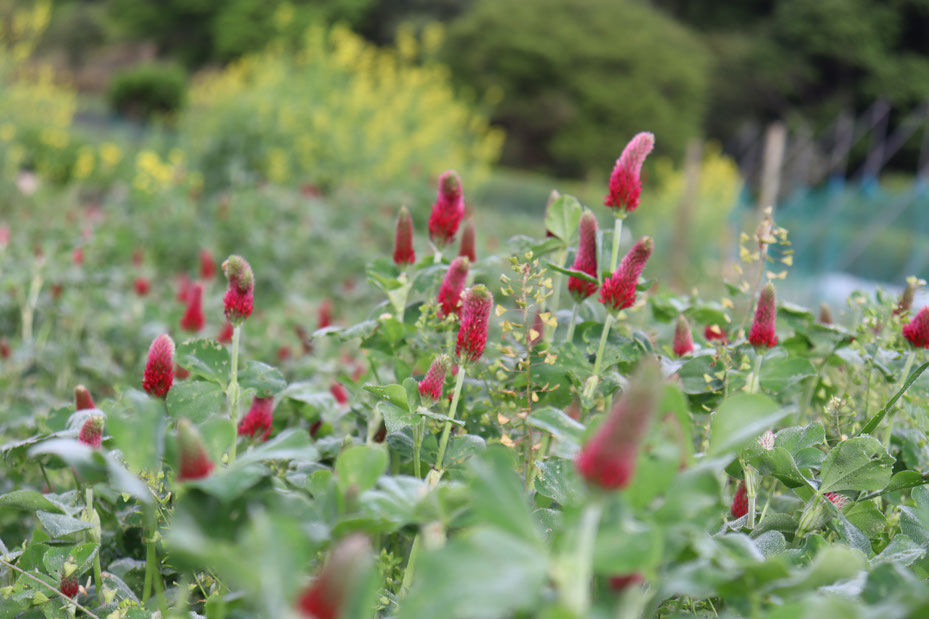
(775, 141)
(680, 248)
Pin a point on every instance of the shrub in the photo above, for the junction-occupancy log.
(337, 109)
(575, 80)
(148, 90)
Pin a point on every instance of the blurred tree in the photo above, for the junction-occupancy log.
(576, 80)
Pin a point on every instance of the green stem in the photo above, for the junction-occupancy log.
(233, 392)
(451, 414)
(556, 295)
(151, 557)
(98, 571)
(577, 592)
(543, 451)
(906, 373)
(411, 564)
(603, 336)
(418, 431)
(617, 235)
(755, 385)
(570, 336)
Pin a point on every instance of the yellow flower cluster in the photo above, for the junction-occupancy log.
(339, 110)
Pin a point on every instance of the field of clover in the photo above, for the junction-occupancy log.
(544, 432)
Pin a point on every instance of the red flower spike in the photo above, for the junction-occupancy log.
(332, 589)
(5, 351)
(739, 501)
(838, 500)
(762, 332)
(586, 258)
(339, 393)
(238, 299)
(324, 314)
(77, 256)
(467, 241)
(430, 387)
(475, 315)
(447, 211)
(403, 240)
(225, 333)
(683, 340)
(69, 586)
(714, 332)
(141, 285)
(618, 291)
(258, 419)
(626, 179)
(622, 582)
(207, 265)
(608, 458)
(159, 369)
(193, 461)
(82, 398)
(183, 287)
(91, 433)
(452, 284)
(193, 320)
(917, 330)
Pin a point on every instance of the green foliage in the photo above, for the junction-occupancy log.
(148, 90)
(575, 81)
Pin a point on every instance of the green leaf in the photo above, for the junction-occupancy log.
(360, 466)
(779, 463)
(572, 273)
(195, 400)
(632, 547)
(480, 573)
(783, 373)
(136, 425)
(499, 496)
(29, 500)
(206, 358)
(905, 479)
(231, 483)
(558, 423)
(395, 394)
(59, 525)
(293, 444)
(740, 419)
(563, 217)
(860, 463)
(879, 416)
(218, 432)
(901, 550)
(267, 381)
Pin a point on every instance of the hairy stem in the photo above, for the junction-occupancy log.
(451, 414)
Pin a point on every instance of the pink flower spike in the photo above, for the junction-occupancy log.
(193, 463)
(238, 300)
(403, 240)
(608, 459)
(258, 419)
(82, 398)
(762, 332)
(447, 211)
(193, 319)
(467, 241)
(683, 340)
(586, 259)
(159, 369)
(626, 179)
(430, 387)
(619, 290)
(917, 330)
(475, 316)
(92, 432)
(453, 283)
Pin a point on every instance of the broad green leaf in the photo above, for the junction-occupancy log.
(29, 500)
(360, 466)
(195, 400)
(218, 432)
(860, 463)
(632, 547)
(267, 381)
(901, 550)
(137, 425)
(740, 419)
(60, 525)
(499, 495)
(558, 423)
(481, 573)
(293, 444)
(783, 373)
(572, 273)
(905, 479)
(206, 358)
(395, 394)
(395, 417)
(563, 217)
(557, 478)
(231, 483)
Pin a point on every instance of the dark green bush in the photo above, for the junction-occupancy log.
(579, 79)
(146, 90)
